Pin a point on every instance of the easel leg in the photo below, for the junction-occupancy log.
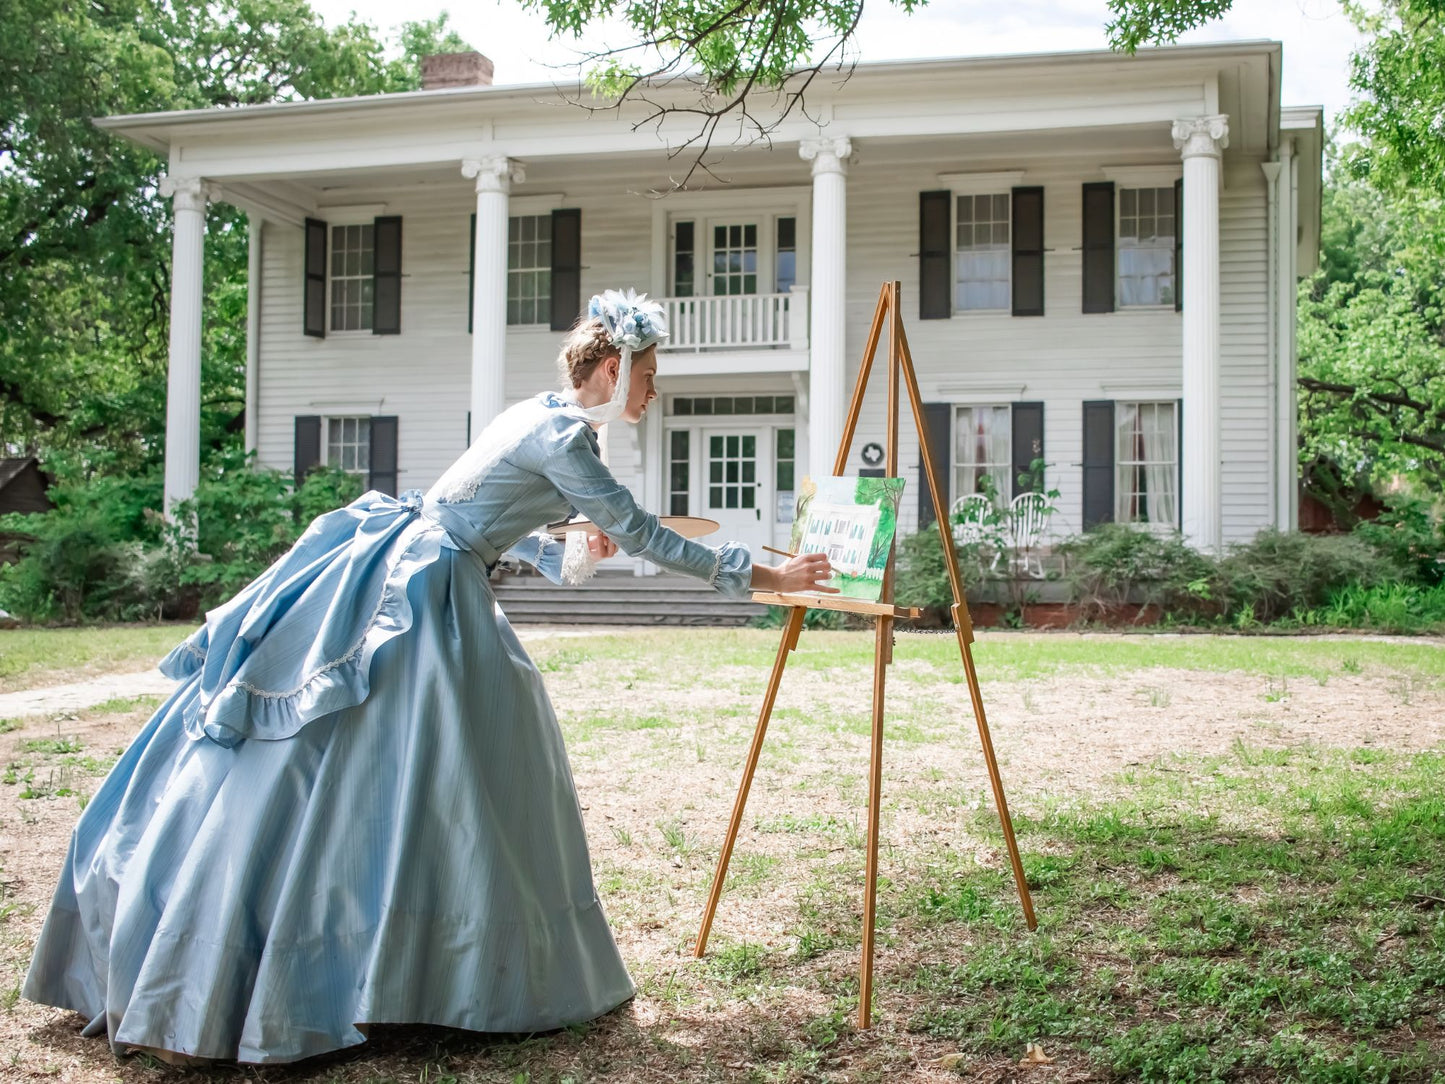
(964, 630)
(882, 655)
(791, 630)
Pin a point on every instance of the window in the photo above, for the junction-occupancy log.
(983, 449)
(786, 259)
(735, 259)
(981, 264)
(353, 265)
(732, 471)
(784, 461)
(1146, 462)
(679, 458)
(707, 405)
(529, 269)
(1146, 246)
(348, 444)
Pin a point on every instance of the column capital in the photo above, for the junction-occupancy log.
(829, 154)
(1201, 136)
(187, 193)
(496, 173)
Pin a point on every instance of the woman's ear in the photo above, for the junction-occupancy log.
(614, 367)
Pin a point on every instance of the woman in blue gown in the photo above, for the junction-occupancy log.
(356, 807)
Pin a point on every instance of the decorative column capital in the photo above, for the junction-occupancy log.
(496, 173)
(828, 154)
(1201, 136)
(187, 193)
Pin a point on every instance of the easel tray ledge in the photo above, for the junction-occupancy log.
(835, 602)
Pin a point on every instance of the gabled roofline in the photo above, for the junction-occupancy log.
(505, 92)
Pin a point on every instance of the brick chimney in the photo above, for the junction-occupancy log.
(455, 70)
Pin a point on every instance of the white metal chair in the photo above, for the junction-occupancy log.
(968, 516)
(1027, 517)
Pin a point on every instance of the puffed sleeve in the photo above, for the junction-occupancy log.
(580, 476)
(543, 552)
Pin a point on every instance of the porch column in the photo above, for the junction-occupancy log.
(183, 381)
(1201, 141)
(494, 177)
(828, 297)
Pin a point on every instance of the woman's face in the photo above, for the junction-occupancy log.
(643, 389)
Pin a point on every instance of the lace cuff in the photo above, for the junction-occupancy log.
(578, 564)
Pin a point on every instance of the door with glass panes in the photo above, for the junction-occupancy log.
(736, 490)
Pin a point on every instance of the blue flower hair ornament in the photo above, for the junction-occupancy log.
(632, 323)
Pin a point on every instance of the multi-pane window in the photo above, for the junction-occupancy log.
(352, 269)
(529, 269)
(1146, 246)
(785, 271)
(982, 450)
(981, 275)
(684, 259)
(348, 444)
(735, 259)
(679, 456)
(732, 471)
(705, 405)
(784, 461)
(1146, 457)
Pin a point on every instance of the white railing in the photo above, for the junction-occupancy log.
(751, 321)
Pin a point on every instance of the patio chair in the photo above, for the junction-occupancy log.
(1027, 517)
(968, 516)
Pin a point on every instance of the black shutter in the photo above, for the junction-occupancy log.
(471, 270)
(386, 278)
(1028, 251)
(1179, 462)
(1099, 246)
(938, 417)
(307, 445)
(1028, 441)
(382, 472)
(313, 297)
(1179, 245)
(1098, 462)
(935, 220)
(566, 267)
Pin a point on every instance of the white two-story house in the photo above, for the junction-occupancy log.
(1098, 256)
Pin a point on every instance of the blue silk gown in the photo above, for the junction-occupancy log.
(356, 807)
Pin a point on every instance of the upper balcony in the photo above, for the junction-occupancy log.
(769, 331)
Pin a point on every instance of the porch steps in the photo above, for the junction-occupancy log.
(619, 598)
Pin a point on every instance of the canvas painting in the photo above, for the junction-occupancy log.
(853, 521)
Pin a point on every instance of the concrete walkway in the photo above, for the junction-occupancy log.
(54, 699)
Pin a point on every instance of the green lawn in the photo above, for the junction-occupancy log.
(30, 658)
(1236, 848)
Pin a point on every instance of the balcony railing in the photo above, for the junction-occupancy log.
(739, 321)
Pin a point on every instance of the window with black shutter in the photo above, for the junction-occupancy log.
(934, 240)
(1098, 462)
(938, 421)
(1028, 251)
(313, 295)
(566, 267)
(386, 291)
(1028, 445)
(1099, 246)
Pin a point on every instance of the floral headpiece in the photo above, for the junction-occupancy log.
(632, 323)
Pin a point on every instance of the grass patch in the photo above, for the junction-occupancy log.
(33, 658)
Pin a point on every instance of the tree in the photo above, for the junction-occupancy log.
(1399, 76)
(84, 237)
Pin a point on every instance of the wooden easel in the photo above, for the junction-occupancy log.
(900, 363)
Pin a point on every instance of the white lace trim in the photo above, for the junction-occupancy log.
(194, 650)
(578, 564)
(717, 559)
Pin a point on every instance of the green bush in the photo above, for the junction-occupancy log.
(1395, 607)
(921, 577)
(1279, 573)
(1115, 564)
(1408, 536)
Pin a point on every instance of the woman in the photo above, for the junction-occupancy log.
(356, 808)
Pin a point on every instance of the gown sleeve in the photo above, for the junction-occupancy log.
(574, 467)
(543, 552)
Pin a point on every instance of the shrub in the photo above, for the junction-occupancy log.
(921, 578)
(1279, 573)
(1395, 607)
(1115, 564)
(1407, 535)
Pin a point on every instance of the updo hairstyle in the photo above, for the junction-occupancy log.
(586, 346)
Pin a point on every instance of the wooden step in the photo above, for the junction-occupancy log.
(620, 599)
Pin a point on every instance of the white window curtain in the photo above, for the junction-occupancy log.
(982, 253)
(1146, 489)
(982, 448)
(1146, 246)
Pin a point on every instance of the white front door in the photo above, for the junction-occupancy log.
(737, 491)
(733, 251)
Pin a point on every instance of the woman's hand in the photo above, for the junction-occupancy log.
(805, 572)
(600, 546)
